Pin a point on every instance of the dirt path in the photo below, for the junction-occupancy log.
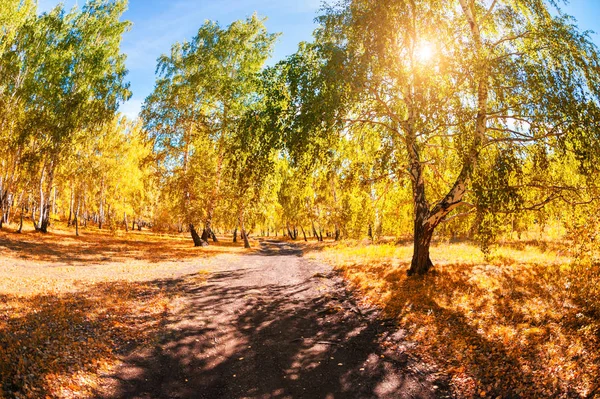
(272, 325)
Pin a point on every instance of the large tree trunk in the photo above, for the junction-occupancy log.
(427, 220)
(421, 262)
(422, 230)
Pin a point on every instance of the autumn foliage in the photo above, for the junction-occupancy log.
(524, 323)
(69, 307)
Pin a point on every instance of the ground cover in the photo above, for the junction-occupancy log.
(525, 322)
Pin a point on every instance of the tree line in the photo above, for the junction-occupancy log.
(405, 119)
(62, 77)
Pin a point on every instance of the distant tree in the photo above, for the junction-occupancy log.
(14, 14)
(205, 89)
(64, 77)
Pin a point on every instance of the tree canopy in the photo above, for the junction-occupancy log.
(399, 119)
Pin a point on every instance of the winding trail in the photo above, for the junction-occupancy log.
(272, 324)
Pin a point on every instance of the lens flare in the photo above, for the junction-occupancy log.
(425, 52)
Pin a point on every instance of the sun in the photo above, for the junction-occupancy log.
(424, 52)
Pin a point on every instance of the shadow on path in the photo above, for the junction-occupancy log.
(273, 325)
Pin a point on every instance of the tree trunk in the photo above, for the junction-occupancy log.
(76, 216)
(125, 222)
(205, 234)
(101, 207)
(316, 234)
(47, 207)
(45, 217)
(11, 206)
(38, 226)
(213, 236)
(304, 234)
(198, 241)
(33, 216)
(246, 241)
(21, 220)
(235, 235)
(421, 262)
(70, 209)
(243, 230)
(54, 201)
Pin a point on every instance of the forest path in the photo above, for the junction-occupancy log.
(272, 324)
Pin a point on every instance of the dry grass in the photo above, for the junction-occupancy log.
(69, 306)
(525, 323)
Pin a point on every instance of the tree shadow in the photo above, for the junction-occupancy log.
(270, 247)
(496, 331)
(100, 247)
(233, 340)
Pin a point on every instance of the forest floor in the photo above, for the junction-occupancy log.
(143, 315)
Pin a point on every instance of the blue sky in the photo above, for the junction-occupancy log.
(159, 23)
